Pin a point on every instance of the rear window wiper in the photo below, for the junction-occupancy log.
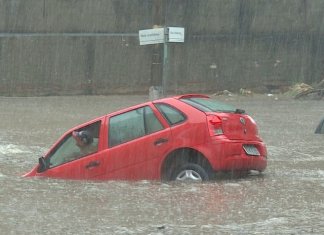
(240, 111)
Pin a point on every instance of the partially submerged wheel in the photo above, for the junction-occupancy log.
(190, 172)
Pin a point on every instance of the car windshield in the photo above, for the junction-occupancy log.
(209, 105)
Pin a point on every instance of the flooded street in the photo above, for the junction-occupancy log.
(286, 199)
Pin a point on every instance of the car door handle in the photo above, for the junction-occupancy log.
(92, 164)
(160, 141)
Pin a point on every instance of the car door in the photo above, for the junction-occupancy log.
(137, 143)
(66, 160)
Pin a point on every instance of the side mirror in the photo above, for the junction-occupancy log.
(42, 165)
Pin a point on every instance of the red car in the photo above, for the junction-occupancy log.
(187, 137)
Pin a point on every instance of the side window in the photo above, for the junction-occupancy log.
(131, 125)
(171, 114)
(77, 144)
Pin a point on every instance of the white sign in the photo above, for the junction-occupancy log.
(151, 36)
(176, 34)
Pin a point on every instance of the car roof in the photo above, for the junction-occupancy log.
(122, 110)
(156, 101)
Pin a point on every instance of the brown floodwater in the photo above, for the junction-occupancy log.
(286, 199)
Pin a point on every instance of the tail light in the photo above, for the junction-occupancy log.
(215, 125)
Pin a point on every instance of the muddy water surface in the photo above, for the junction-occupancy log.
(286, 199)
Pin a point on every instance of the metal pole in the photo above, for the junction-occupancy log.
(165, 63)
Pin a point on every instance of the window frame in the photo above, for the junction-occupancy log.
(144, 117)
(67, 137)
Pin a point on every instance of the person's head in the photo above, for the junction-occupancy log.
(82, 138)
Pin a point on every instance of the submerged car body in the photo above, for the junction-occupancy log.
(182, 137)
(320, 127)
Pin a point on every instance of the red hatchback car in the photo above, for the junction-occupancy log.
(187, 137)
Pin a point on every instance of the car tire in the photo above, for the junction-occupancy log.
(190, 172)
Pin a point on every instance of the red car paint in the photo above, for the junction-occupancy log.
(158, 140)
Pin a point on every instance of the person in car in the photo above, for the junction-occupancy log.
(84, 140)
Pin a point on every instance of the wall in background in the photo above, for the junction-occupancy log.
(71, 47)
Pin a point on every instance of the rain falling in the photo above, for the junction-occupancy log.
(64, 63)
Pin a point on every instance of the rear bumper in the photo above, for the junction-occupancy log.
(230, 155)
(244, 163)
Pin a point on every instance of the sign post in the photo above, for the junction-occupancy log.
(165, 63)
(161, 35)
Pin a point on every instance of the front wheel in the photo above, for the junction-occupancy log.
(190, 172)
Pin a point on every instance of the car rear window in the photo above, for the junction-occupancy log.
(209, 105)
